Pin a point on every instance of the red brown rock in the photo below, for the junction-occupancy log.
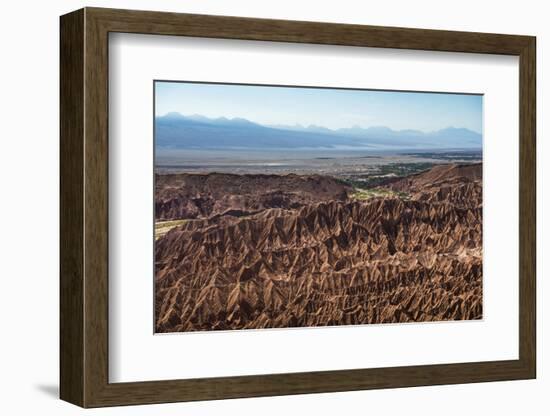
(183, 196)
(321, 259)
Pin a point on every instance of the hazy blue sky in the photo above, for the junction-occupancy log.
(332, 108)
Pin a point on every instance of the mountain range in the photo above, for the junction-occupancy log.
(176, 131)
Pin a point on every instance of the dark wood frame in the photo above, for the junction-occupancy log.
(84, 209)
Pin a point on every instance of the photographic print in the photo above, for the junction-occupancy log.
(290, 206)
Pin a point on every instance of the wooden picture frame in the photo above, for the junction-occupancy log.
(84, 207)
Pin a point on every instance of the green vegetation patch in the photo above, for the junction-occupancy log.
(364, 194)
(472, 156)
(162, 227)
(384, 174)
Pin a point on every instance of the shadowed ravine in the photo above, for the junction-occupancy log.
(269, 251)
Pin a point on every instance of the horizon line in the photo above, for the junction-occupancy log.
(304, 126)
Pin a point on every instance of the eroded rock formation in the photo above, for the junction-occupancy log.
(319, 258)
(183, 196)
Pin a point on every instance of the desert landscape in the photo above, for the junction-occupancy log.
(251, 251)
(284, 207)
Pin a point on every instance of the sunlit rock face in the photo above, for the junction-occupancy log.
(276, 251)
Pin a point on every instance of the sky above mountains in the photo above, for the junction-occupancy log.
(322, 107)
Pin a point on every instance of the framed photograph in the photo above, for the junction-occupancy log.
(257, 207)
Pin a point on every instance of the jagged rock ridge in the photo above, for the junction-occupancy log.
(183, 196)
(327, 261)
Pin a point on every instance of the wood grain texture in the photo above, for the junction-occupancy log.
(527, 208)
(96, 209)
(71, 208)
(162, 23)
(84, 205)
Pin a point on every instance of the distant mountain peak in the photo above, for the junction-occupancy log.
(173, 115)
(378, 128)
(197, 131)
(240, 120)
(198, 117)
